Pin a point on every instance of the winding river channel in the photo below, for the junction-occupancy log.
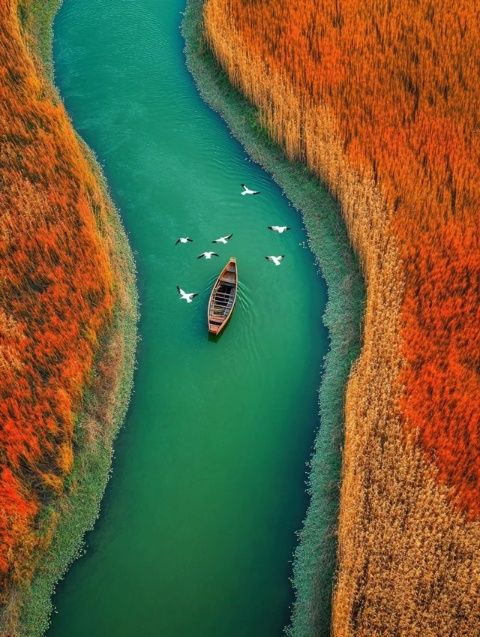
(197, 527)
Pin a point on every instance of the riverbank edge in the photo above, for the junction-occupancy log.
(314, 563)
(79, 510)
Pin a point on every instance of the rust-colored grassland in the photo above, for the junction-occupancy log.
(59, 293)
(382, 101)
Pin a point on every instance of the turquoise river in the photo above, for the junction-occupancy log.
(198, 523)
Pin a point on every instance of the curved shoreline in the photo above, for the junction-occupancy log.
(328, 241)
(315, 555)
(79, 510)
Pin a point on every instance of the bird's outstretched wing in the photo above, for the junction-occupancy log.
(180, 291)
(229, 236)
(215, 254)
(201, 256)
(177, 241)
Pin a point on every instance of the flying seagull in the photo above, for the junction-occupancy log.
(207, 255)
(276, 260)
(187, 296)
(183, 240)
(223, 239)
(279, 229)
(247, 191)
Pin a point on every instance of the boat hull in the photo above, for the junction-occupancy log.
(223, 298)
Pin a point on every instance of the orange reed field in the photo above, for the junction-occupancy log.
(382, 101)
(57, 296)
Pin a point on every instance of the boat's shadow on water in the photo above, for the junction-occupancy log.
(215, 338)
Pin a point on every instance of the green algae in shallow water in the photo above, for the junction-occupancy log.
(315, 555)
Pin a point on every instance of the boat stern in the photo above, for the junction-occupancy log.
(214, 328)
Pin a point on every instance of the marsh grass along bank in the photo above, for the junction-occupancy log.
(329, 83)
(106, 391)
(315, 555)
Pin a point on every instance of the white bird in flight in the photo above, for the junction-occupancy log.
(247, 191)
(207, 255)
(187, 296)
(183, 240)
(279, 229)
(276, 260)
(223, 239)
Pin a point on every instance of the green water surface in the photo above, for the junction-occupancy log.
(198, 524)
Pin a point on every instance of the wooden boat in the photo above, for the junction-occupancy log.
(223, 297)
